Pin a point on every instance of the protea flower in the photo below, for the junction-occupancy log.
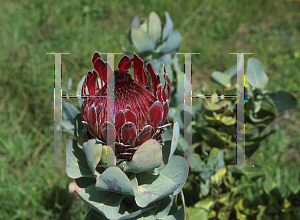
(140, 111)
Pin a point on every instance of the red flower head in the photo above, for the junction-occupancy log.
(139, 110)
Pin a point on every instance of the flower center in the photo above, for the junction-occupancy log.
(128, 92)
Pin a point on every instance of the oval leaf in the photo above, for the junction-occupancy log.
(172, 42)
(153, 187)
(76, 164)
(93, 153)
(106, 202)
(78, 90)
(69, 111)
(114, 180)
(79, 133)
(255, 73)
(154, 28)
(227, 120)
(177, 170)
(108, 157)
(175, 138)
(142, 41)
(283, 100)
(135, 22)
(147, 157)
(221, 78)
(168, 27)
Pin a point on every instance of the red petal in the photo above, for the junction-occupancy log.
(166, 111)
(91, 116)
(142, 76)
(108, 131)
(159, 93)
(99, 66)
(128, 133)
(83, 89)
(107, 70)
(95, 57)
(130, 116)
(91, 82)
(123, 63)
(153, 75)
(145, 134)
(119, 120)
(138, 67)
(155, 114)
(95, 72)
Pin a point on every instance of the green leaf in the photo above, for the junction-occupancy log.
(227, 120)
(153, 187)
(78, 90)
(251, 173)
(170, 144)
(106, 202)
(172, 42)
(94, 215)
(132, 211)
(283, 100)
(238, 206)
(239, 189)
(179, 115)
(224, 199)
(144, 26)
(255, 73)
(163, 207)
(114, 180)
(177, 171)
(135, 22)
(84, 182)
(212, 137)
(221, 78)
(195, 163)
(231, 72)
(257, 105)
(178, 216)
(93, 153)
(158, 63)
(206, 172)
(108, 156)
(67, 125)
(141, 40)
(174, 207)
(76, 164)
(147, 157)
(253, 132)
(211, 106)
(175, 138)
(168, 27)
(69, 111)
(261, 215)
(270, 187)
(176, 64)
(79, 134)
(201, 209)
(204, 188)
(179, 96)
(223, 214)
(154, 28)
(217, 177)
(262, 116)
